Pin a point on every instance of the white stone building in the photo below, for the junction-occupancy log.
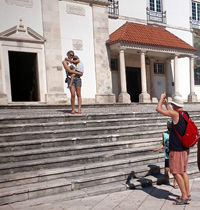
(36, 34)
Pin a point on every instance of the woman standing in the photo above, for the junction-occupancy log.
(77, 83)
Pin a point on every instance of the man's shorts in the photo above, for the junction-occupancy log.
(77, 81)
(178, 161)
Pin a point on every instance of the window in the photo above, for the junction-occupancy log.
(155, 5)
(195, 19)
(113, 8)
(158, 68)
(113, 65)
(155, 12)
(197, 76)
(195, 11)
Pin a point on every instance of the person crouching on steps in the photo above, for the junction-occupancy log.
(165, 144)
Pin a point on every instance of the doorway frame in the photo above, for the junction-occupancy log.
(138, 70)
(19, 46)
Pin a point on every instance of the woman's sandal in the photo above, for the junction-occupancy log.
(181, 202)
(189, 198)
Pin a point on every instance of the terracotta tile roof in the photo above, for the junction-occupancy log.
(147, 35)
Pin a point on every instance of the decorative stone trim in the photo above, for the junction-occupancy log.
(21, 3)
(77, 44)
(75, 10)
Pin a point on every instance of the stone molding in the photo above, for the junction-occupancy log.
(182, 53)
(99, 2)
(21, 3)
(77, 44)
(21, 34)
(75, 10)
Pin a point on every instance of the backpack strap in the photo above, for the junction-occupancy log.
(186, 118)
(184, 115)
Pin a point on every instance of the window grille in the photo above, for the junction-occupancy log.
(113, 64)
(195, 19)
(155, 12)
(159, 68)
(113, 8)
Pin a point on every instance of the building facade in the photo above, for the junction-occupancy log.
(35, 38)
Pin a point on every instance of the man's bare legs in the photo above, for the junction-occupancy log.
(78, 93)
(72, 90)
(183, 183)
(187, 186)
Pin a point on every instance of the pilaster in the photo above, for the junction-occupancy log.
(53, 54)
(103, 74)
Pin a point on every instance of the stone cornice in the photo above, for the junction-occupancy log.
(98, 2)
(148, 48)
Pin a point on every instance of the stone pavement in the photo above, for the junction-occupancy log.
(154, 197)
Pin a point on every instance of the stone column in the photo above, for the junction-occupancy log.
(153, 96)
(168, 84)
(103, 73)
(144, 96)
(123, 97)
(167, 64)
(176, 77)
(192, 97)
(53, 53)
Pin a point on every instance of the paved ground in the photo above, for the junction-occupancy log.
(154, 197)
(151, 198)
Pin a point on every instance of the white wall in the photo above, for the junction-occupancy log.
(11, 14)
(129, 10)
(183, 63)
(133, 8)
(80, 28)
(178, 12)
(159, 84)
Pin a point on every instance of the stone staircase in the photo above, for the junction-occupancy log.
(62, 157)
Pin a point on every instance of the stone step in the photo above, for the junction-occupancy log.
(78, 132)
(59, 123)
(53, 162)
(124, 176)
(92, 191)
(77, 170)
(65, 117)
(71, 141)
(31, 191)
(85, 168)
(15, 156)
(98, 189)
(35, 154)
(62, 116)
(29, 127)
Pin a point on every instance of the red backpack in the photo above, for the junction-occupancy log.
(191, 136)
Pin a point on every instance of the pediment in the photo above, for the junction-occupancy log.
(22, 34)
